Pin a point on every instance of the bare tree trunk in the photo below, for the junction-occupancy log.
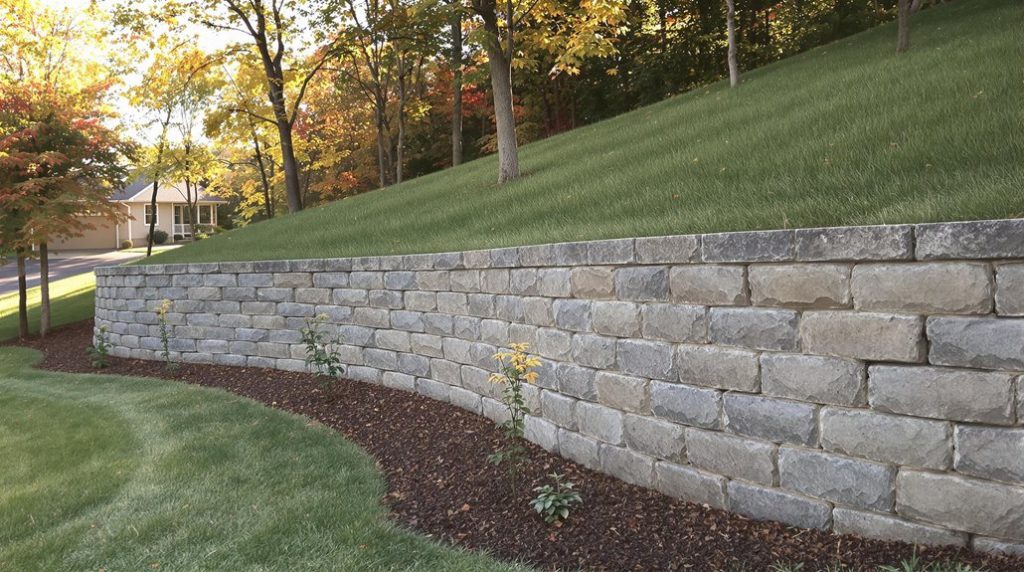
(157, 172)
(504, 116)
(456, 88)
(22, 295)
(402, 96)
(267, 200)
(730, 23)
(152, 221)
(44, 290)
(902, 26)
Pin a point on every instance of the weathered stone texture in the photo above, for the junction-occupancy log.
(874, 525)
(842, 480)
(693, 406)
(926, 288)
(962, 503)
(800, 285)
(765, 246)
(863, 335)
(835, 381)
(977, 342)
(718, 367)
(674, 323)
(732, 456)
(755, 328)
(762, 503)
(977, 239)
(990, 453)
(896, 439)
(668, 249)
(1010, 289)
(690, 484)
(777, 420)
(709, 284)
(942, 393)
(656, 438)
(855, 243)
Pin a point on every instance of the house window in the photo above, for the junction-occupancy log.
(151, 216)
(206, 214)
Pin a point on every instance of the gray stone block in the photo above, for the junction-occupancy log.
(396, 380)
(381, 359)
(760, 503)
(642, 283)
(355, 335)
(718, 367)
(645, 358)
(628, 466)
(456, 303)
(942, 393)
(480, 305)
(437, 324)
(694, 406)
(887, 242)
(622, 392)
(274, 294)
(559, 409)
(591, 350)
(399, 280)
(843, 480)
(330, 280)
(977, 342)
(734, 457)
(654, 437)
(239, 293)
(291, 365)
(509, 308)
(923, 288)
(617, 251)
(364, 374)
(972, 505)
(371, 317)
(758, 246)
(433, 389)
(465, 399)
(674, 323)
(465, 280)
(407, 321)
(600, 422)
(863, 335)
(576, 381)
(554, 282)
(392, 340)
(204, 293)
(690, 484)
(296, 310)
(977, 239)
(494, 332)
(709, 284)
(800, 285)
(495, 281)
(884, 527)
(293, 280)
(418, 301)
(616, 318)
(314, 295)
(541, 432)
(434, 280)
(523, 281)
(835, 381)
(895, 439)
(776, 420)
(579, 449)
(1010, 289)
(668, 249)
(554, 344)
(574, 315)
(990, 453)
(367, 280)
(504, 257)
(446, 371)
(755, 328)
(538, 312)
(998, 546)
(594, 282)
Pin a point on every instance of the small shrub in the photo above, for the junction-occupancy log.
(165, 337)
(322, 356)
(515, 369)
(553, 502)
(126, 244)
(159, 236)
(100, 349)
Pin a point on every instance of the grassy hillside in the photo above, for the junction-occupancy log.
(845, 134)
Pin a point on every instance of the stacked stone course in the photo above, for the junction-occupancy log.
(864, 379)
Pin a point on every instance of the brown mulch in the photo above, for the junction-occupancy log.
(440, 483)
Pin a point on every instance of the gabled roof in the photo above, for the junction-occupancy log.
(141, 191)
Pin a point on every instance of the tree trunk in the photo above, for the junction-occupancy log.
(267, 200)
(456, 88)
(730, 23)
(44, 290)
(22, 296)
(902, 26)
(293, 190)
(402, 96)
(152, 221)
(504, 115)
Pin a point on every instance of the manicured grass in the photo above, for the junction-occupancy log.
(72, 300)
(116, 473)
(846, 134)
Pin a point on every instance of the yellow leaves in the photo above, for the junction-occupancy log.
(163, 309)
(516, 365)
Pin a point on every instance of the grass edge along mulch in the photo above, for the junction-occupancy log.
(439, 483)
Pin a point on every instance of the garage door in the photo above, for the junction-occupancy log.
(103, 236)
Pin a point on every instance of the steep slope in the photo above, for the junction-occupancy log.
(845, 134)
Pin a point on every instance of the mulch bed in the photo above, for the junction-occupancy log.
(440, 483)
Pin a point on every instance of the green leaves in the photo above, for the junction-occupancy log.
(553, 502)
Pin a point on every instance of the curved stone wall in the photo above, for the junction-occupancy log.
(861, 379)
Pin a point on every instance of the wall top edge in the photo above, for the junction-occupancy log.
(985, 239)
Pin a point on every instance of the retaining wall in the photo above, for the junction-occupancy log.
(863, 379)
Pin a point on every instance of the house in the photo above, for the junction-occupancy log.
(171, 217)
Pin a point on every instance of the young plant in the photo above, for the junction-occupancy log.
(100, 349)
(515, 370)
(553, 502)
(322, 356)
(165, 338)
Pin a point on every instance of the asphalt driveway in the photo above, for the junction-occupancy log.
(71, 264)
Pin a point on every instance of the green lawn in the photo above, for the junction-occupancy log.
(845, 134)
(116, 473)
(71, 299)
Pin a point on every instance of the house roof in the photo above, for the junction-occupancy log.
(141, 191)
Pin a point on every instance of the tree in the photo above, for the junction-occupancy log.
(456, 67)
(730, 22)
(903, 9)
(270, 30)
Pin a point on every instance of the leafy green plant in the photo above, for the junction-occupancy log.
(553, 502)
(100, 349)
(159, 236)
(165, 337)
(322, 356)
(515, 370)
